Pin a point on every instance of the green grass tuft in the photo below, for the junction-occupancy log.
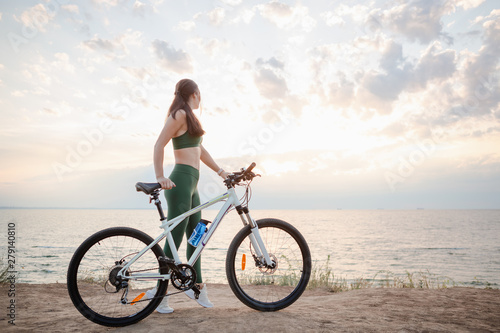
(4, 273)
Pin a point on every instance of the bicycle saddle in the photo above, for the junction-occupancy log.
(147, 188)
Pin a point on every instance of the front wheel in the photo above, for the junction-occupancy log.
(269, 288)
(99, 293)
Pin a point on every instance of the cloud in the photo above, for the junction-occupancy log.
(287, 17)
(232, 2)
(18, 93)
(273, 62)
(186, 26)
(332, 19)
(270, 85)
(269, 79)
(467, 4)
(36, 17)
(139, 8)
(392, 57)
(214, 46)
(39, 73)
(401, 75)
(418, 20)
(357, 13)
(216, 16)
(341, 93)
(171, 59)
(63, 63)
(434, 64)
(399, 81)
(97, 43)
(211, 47)
(245, 15)
(138, 73)
(374, 76)
(480, 80)
(380, 88)
(118, 47)
(50, 111)
(494, 14)
(71, 8)
(108, 3)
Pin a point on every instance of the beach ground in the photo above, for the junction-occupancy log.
(47, 308)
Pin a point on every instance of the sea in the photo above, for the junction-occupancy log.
(461, 247)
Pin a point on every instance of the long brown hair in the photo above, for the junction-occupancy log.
(183, 89)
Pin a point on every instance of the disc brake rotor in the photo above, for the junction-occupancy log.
(269, 270)
(261, 264)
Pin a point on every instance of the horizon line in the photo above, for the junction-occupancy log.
(139, 208)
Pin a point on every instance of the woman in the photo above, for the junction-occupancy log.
(185, 131)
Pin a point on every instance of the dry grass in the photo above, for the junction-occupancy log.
(322, 276)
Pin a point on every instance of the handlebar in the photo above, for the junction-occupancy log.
(244, 174)
(233, 179)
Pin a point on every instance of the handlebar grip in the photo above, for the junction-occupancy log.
(250, 167)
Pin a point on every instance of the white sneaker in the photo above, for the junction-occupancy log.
(202, 299)
(151, 293)
(163, 307)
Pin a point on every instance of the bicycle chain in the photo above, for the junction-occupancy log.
(149, 299)
(143, 270)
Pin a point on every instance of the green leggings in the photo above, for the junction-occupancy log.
(180, 199)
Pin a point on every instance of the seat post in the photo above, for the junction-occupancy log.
(154, 196)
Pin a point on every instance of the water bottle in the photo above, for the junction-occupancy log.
(198, 232)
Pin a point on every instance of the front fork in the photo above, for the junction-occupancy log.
(255, 239)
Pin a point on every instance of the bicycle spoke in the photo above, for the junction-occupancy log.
(93, 272)
(268, 288)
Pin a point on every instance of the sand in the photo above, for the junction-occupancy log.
(47, 308)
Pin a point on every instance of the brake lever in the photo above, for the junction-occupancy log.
(251, 175)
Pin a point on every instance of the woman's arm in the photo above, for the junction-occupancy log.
(209, 161)
(169, 129)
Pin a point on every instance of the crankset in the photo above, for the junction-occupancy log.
(182, 276)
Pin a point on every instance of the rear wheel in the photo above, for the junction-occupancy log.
(96, 290)
(269, 288)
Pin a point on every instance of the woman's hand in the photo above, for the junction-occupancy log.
(224, 174)
(165, 183)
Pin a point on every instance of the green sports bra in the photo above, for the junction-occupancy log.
(186, 140)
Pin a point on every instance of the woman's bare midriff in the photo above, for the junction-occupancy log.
(189, 156)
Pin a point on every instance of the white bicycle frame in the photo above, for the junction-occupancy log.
(168, 226)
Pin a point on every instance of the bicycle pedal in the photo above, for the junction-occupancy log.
(196, 292)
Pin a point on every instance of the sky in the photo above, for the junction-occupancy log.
(342, 104)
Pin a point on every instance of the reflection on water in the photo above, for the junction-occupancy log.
(460, 244)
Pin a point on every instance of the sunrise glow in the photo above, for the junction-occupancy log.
(394, 103)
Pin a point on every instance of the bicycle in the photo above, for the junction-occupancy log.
(268, 262)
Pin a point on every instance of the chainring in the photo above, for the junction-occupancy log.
(184, 278)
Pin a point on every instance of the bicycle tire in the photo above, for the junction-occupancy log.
(93, 262)
(269, 289)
